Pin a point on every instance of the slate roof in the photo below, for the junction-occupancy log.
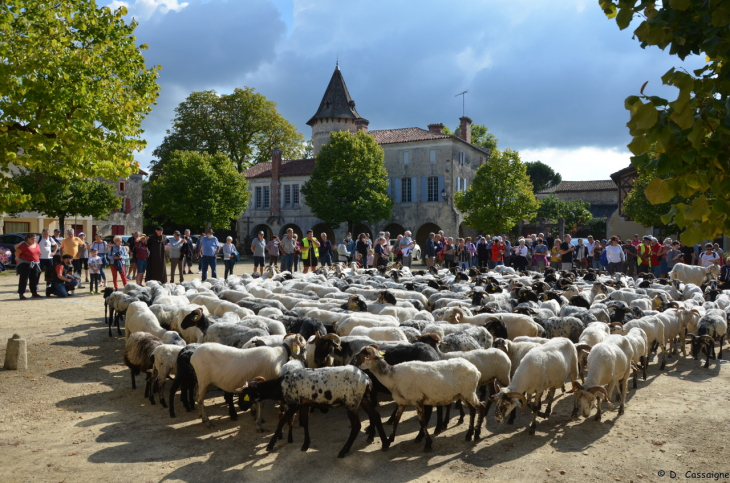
(294, 167)
(405, 135)
(566, 186)
(336, 101)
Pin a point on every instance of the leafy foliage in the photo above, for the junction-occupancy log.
(500, 195)
(480, 136)
(691, 134)
(197, 189)
(57, 196)
(575, 212)
(243, 125)
(542, 175)
(349, 181)
(75, 90)
(638, 207)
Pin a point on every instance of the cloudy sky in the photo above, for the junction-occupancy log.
(547, 77)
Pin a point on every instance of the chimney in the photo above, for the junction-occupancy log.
(465, 129)
(436, 128)
(362, 124)
(275, 169)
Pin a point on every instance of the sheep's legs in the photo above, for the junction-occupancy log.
(447, 416)
(470, 431)
(644, 363)
(161, 390)
(611, 386)
(202, 389)
(398, 415)
(304, 422)
(574, 414)
(422, 419)
(599, 400)
(151, 388)
(461, 412)
(375, 420)
(624, 385)
(635, 377)
(722, 341)
(228, 396)
(427, 410)
(175, 385)
(355, 426)
(512, 416)
(664, 356)
(549, 408)
(289, 413)
(439, 417)
(259, 416)
(134, 382)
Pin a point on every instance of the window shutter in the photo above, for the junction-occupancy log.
(414, 189)
(424, 189)
(441, 188)
(388, 189)
(458, 183)
(397, 183)
(128, 205)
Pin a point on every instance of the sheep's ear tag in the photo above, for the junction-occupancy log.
(246, 398)
(382, 353)
(296, 349)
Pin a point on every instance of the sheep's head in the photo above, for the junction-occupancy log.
(249, 393)
(587, 398)
(701, 343)
(524, 310)
(322, 347)
(356, 304)
(453, 315)
(617, 328)
(505, 402)
(496, 327)
(366, 356)
(431, 339)
(502, 344)
(295, 342)
(194, 318)
(386, 297)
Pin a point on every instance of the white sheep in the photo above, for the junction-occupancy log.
(694, 274)
(141, 319)
(654, 329)
(514, 325)
(380, 333)
(637, 338)
(164, 364)
(348, 323)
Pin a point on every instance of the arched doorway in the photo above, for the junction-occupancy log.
(395, 229)
(268, 233)
(297, 230)
(423, 231)
(320, 228)
(361, 229)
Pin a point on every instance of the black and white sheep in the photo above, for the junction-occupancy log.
(138, 351)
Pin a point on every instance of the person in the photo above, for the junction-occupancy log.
(449, 251)
(379, 255)
(687, 253)
(643, 259)
(462, 254)
(655, 262)
(58, 238)
(362, 250)
(325, 251)
(630, 256)
(725, 275)
(207, 251)
(310, 251)
(716, 248)
(662, 256)
(615, 256)
(397, 252)
(674, 256)
(187, 252)
(156, 263)
(70, 246)
(131, 243)
(520, 255)
(709, 257)
(472, 251)
(371, 256)
(386, 247)
(429, 252)
(406, 245)
(64, 281)
(483, 253)
(597, 253)
(297, 252)
(83, 258)
(177, 261)
(507, 250)
(555, 258)
(287, 248)
(581, 254)
(143, 256)
(566, 254)
(28, 265)
(343, 253)
(101, 249)
(539, 258)
(94, 271)
(48, 247)
(117, 254)
(351, 242)
(498, 250)
(273, 248)
(229, 257)
(258, 248)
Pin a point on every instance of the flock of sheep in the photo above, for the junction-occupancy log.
(424, 338)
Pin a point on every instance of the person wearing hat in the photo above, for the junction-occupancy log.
(156, 266)
(176, 256)
(207, 251)
(258, 248)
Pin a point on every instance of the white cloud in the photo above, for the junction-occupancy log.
(472, 62)
(144, 9)
(580, 164)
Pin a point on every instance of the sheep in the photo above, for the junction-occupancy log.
(219, 307)
(459, 342)
(568, 327)
(545, 367)
(346, 324)
(185, 380)
(711, 327)
(319, 350)
(119, 302)
(266, 340)
(170, 317)
(138, 351)
(609, 363)
(694, 274)
(326, 387)
(654, 329)
(226, 333)
(141, 319)
(380, 333)
(164, 364)
(637, 338)
(229, 368)
(509, 326)
(419, 384)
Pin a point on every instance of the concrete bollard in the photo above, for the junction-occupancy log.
(16, 356)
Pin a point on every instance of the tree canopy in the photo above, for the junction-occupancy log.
(575, 212)
(691, 134)
(637, 207)
(480, 136)
(197, 189)
(243, 125)
(75, 90)
(349, 182)
(500, 195)
(542, 175)
(58, 196)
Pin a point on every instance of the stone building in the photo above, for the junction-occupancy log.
(601, 194)
(425, 168)
(121, 221)
(618, 223)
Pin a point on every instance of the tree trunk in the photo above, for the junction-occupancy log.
(61, 222)
(350, 226)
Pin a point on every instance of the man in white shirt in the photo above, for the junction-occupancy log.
(406, 246)
(48, 247)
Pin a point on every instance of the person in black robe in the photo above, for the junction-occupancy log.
(156, 267)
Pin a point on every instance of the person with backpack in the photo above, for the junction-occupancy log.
(28, 259)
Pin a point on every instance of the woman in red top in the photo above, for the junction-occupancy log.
(29, 268)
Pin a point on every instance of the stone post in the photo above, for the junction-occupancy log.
(16, 356)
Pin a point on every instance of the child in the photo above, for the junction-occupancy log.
(371, 257)
(143, 254)
(95, 264)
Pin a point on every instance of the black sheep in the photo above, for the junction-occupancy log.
(185, 380)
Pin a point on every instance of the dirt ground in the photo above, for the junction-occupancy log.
(73, 417)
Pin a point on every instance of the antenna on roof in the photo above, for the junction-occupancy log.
(463, 96)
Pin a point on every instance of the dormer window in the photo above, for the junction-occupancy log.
(351, 104)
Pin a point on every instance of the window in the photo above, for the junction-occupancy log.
(287, 195)
(406, 157)
(458, 184)
(262, 197)
(406, 193)
(295, 195)
(17, 227)
(463, 184)
(122, 185)
(117, 230)
(462, 157)
(433, 188)
(432, 156)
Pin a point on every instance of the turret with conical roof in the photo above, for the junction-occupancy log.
(336, 112)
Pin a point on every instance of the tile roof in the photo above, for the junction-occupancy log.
(294, 167)
(405, 135)
(336, 101)
(596, 185)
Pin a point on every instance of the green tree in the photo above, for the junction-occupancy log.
(500, 195)
(57, 196)
(575, 212)
(198, 189)
(637, 206)
(690, 135)
(480, 136)
(74, 91)
(542, 175)
(243, 125)
(349, 182)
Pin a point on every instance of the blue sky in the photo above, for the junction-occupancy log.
(547, 78)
